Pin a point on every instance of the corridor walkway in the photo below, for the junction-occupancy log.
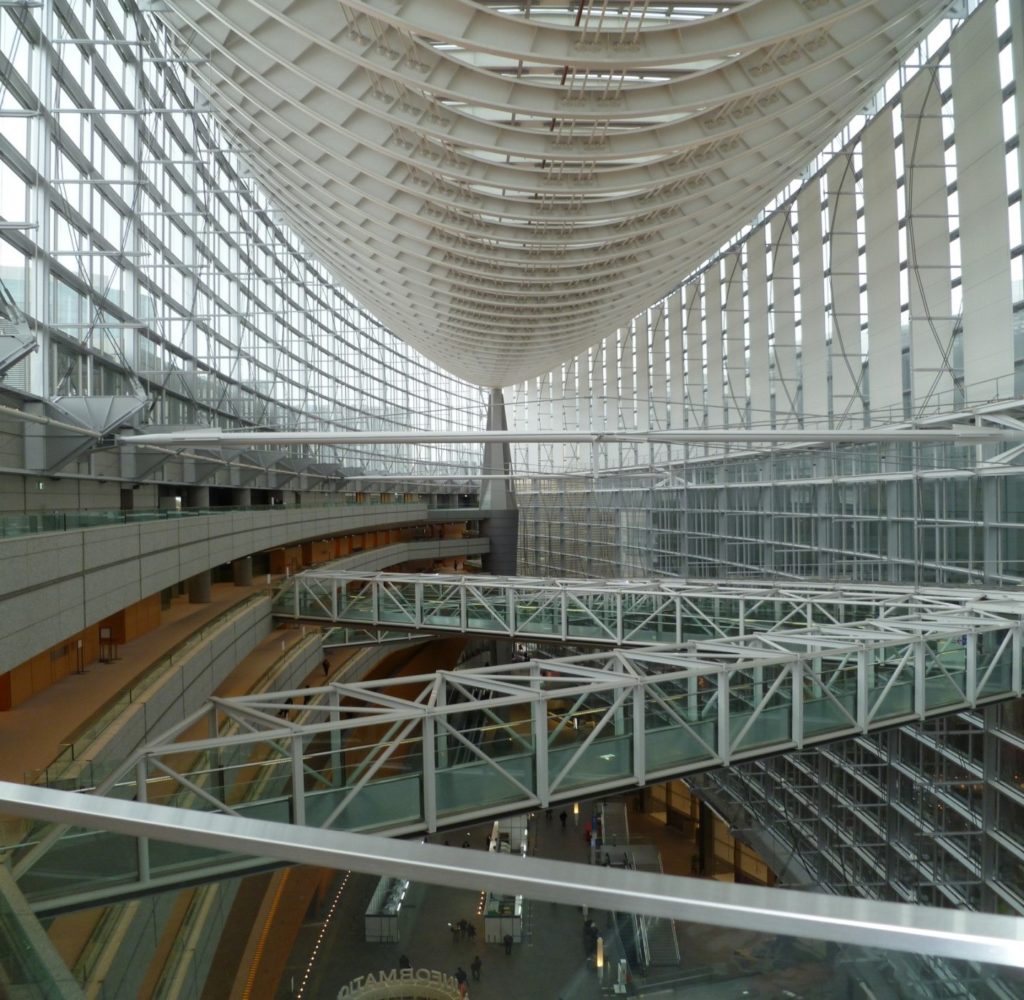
(34, 733)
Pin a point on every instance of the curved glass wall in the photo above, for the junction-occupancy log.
(149, 262)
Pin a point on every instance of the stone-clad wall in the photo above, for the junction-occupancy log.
(55, 584)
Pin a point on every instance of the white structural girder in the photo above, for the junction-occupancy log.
(505, 184)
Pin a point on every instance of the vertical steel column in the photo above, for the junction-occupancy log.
(989, 811)
(639, 733)
(540, 747)
(429, 772)
(724, 730)
(892, 529)
(442, 739)
(920, 694)
(218, 786)
(797, 721)
(39, 300)
(971, 672)
(862, 688)
(1015, 668)
(989, 532)
(142, 843)
(336, 760)
(298, 783)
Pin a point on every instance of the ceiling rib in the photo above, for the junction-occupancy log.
(504, 185)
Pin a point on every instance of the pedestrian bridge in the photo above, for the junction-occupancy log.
(413, 755)
(605, 612)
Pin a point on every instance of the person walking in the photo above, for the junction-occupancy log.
(475, 966)
(563, 816)
(508, 944)
(463, 980)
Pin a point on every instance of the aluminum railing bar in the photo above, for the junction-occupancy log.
(963, 434)
(973, 936)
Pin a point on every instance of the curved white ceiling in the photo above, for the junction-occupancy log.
(505, 184)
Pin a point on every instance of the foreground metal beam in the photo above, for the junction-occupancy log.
(964, 434)
(923, 930)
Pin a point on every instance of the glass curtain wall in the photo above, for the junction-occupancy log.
(146, 258)
(885, 287)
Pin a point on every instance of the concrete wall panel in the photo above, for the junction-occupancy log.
(54, 584)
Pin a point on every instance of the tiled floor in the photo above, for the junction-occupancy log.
(31, 734)
(716, 964)
(549, 964)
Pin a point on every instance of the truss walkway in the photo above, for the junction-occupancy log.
(413, 755)
(603, 612)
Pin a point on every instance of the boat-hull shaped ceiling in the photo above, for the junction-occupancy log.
(503, 184)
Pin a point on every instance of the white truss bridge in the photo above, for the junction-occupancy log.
(411, 755)
(612, 612)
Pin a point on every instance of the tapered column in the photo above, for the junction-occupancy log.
(812, 306)
(499, 514)
(881, 222)
(786, 384)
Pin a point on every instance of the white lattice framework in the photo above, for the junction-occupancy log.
(412, 754)
(504, 184)
(613, 612)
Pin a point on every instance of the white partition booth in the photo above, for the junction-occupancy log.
(384, 914)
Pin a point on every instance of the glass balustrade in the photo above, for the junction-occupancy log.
(17, 525)
(370, 777)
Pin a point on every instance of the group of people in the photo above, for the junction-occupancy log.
(462, 930)
(463, 980)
